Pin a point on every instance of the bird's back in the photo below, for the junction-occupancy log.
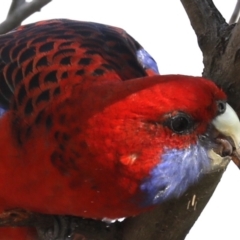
(40, 65)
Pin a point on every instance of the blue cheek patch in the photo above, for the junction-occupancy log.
(146, 60)
(178, 170)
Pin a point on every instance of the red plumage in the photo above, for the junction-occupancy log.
(13, 233)
(85, 121)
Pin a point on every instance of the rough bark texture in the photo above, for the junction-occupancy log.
(220, 45)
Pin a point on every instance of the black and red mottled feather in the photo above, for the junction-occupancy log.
(36, 59)
(43, 62)
(45, 53)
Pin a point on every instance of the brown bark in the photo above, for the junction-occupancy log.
(219, 43)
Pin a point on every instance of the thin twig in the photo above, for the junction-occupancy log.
(15, 5)
(235, 15)
(21, 13)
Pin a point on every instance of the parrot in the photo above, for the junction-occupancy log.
(90, 128)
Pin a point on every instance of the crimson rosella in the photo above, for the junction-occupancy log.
(89, 128)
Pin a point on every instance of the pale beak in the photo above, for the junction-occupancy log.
(228, 126)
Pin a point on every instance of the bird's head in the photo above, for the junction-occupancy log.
(157, 134)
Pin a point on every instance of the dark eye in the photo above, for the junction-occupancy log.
(181, 123)
(221, 106)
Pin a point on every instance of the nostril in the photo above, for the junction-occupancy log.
(226, 153)
(226, 147)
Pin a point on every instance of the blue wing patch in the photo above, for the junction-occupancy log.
(145, 59)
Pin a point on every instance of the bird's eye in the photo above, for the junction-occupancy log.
(221, 106)
(181, 123)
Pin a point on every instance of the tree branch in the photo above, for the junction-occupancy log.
(235, 16)
(205, 19)
(19, 11)
(207, 23)
(219, 43)
(15, 5)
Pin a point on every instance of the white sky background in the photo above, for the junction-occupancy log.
(163, 28)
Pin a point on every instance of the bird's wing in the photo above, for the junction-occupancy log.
(35, 58)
